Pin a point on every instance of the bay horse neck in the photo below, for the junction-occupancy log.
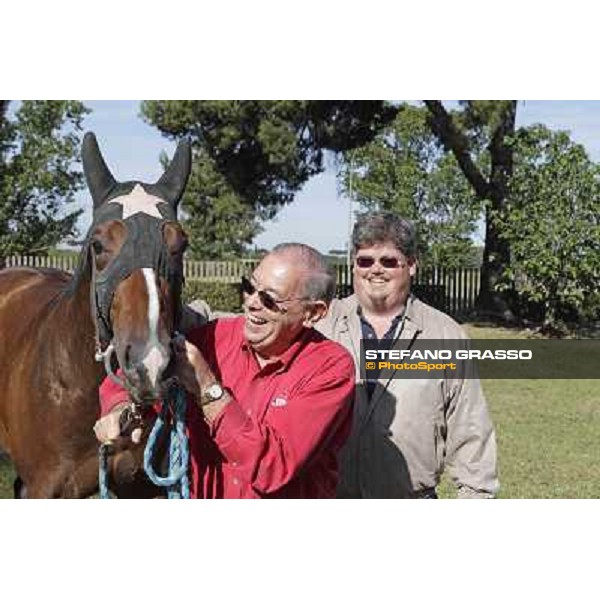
(76, 306)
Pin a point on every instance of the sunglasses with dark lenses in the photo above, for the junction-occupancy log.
(265, 297)
(387, 262)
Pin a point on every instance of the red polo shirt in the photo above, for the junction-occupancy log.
(280, 434)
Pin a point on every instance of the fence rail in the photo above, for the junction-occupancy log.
(65, 263)
(217, 270)
(452, 290)
(228, 271)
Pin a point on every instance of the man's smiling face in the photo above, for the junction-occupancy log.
(271, 330)
(382, 276)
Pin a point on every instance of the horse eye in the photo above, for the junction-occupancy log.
(97, 247)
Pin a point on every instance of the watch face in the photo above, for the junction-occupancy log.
(215, 391)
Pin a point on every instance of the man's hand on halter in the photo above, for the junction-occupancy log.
(191, 368)
(119, 422)
(196, 376)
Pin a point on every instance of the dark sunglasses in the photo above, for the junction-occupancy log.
(387, 262)
(265, 297)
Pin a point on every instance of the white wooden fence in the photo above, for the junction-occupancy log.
(452, 290)
(228, 271)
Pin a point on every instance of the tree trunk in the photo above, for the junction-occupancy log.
(491, 193)
(496, 252)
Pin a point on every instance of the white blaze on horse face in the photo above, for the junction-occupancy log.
(154, 360)
(138, 201)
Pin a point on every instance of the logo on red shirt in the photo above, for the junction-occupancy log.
(279, 401)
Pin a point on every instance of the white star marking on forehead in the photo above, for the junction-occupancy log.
(138, 201)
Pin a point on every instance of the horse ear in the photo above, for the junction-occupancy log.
(98, 176)
(174, 179)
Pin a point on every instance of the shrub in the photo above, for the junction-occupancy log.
(220, 296)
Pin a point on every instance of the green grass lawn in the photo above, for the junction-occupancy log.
(6, 478)
(547, 431)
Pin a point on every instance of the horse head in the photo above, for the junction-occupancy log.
(135, 250)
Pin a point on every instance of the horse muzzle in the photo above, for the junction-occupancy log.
(141, 374)
(145, 373)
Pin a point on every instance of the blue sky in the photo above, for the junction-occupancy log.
(319, 215)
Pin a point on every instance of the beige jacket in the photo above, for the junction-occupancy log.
(411, 429)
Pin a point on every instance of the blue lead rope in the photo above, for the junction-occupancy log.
(103, 471)
(177, 479)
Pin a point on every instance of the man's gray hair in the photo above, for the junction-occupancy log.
(382, 227)
(319, 284)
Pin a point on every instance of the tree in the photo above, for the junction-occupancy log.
(484, 127)
(38, 149)
(219, 224)
(405, 170)
(552, 223)
(251, 157)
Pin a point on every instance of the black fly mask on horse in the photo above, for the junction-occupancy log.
(143, 209)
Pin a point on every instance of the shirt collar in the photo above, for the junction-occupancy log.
(395, 320)
(282, 362)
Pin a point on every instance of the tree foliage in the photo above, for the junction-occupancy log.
(405, 170)
(251, 157)
(539, 192)
(38, 149)
(219, 223)
(552, 223)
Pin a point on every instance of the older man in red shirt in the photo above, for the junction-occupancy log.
(273, 396)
